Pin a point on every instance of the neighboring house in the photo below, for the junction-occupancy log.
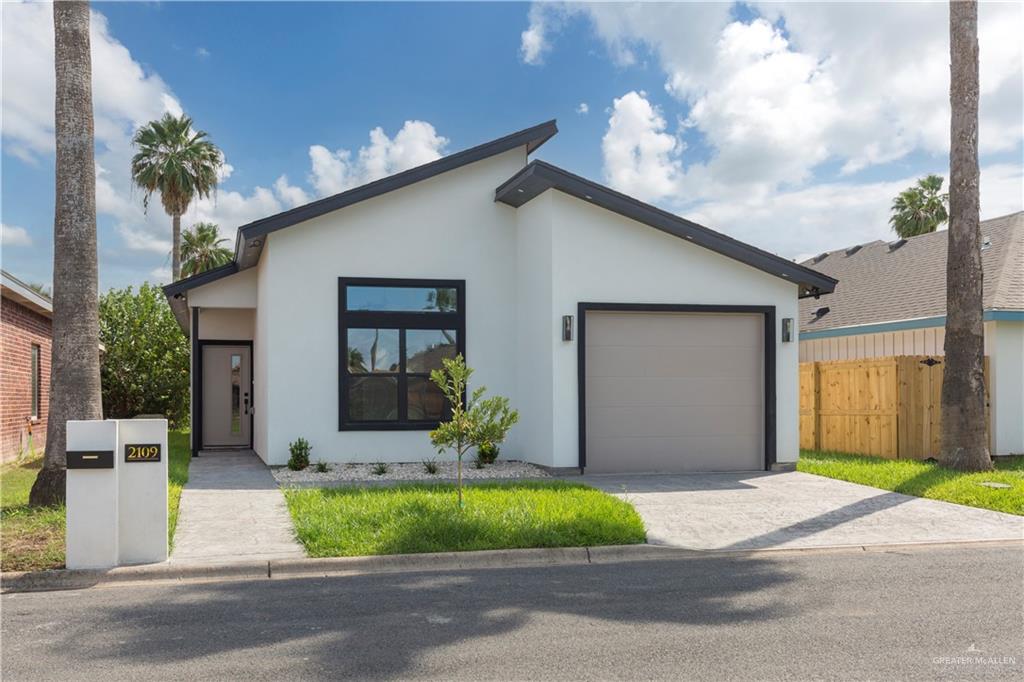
(628, 338)
(892, 301)
(25, 337)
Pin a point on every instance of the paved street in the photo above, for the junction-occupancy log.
(907, 614)
(793, 509)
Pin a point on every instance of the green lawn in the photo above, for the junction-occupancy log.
(426, 518)
(33, 539)
(925, 479)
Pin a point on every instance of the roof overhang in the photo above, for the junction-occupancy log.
(251, 237)
(15, 290)
(538, 177)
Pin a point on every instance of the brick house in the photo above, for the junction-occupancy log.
(25, 340)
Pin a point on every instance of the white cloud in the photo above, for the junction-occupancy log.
(841, 84)
(414, 144)
(640, 158)
(583, 108)
(202, 52)
(12, 235)
(533, 42)
(291, 195)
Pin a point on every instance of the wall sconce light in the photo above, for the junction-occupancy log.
(787, 329)
(566, 327)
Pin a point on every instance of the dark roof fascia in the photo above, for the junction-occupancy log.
(539, 176)
(247, 254)
(175, 289)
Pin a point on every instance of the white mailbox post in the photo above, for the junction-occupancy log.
(116, 492)
(142, 485)
(91, 504)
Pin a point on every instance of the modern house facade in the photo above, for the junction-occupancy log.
(892, 301)
(25, 342)
(628, 338)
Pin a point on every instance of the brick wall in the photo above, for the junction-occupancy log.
(20, 327)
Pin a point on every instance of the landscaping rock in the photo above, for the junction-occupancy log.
(407, 472)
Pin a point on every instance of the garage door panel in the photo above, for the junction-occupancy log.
(670, 421)
(690, 453)
(673, 361)
(652, 329)
(674, 391)
(611, 391)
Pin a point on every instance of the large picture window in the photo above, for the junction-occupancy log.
(392, 333)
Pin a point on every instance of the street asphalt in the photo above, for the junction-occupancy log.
(907, 613)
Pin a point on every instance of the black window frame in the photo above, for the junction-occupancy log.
(402, 321)
(37, 380)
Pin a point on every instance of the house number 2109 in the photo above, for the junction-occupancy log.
(142, 453)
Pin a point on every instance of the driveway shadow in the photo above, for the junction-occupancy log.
(670, 483)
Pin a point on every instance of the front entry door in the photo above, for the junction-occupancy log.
(227, 398)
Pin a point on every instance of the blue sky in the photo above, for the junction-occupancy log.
(772, 123)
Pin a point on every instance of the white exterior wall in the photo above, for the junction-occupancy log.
(1006, 362)
(599, 256)
(234, 291)
(227, 324)
(447, 227)
(262, 416)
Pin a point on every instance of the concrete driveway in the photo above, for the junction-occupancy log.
(793, 509)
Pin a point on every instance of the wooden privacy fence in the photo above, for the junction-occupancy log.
(887, 407)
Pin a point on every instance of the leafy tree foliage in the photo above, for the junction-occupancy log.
(145, 367)
(919, 209)
(201, 249)
(474, 423)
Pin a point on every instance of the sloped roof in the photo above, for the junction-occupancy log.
(539, 176)
(15, 290)
(879, 283)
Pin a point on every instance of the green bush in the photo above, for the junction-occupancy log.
(299, 450)
(430, 466)
(144, 368)
(487, 452)
(380, 468)
(321, 467)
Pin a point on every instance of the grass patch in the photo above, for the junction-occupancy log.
(32, 539)
(425, 518)
(925, 479)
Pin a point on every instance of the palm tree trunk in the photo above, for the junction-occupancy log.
(75, 375)
(964, 433)
(176, 247)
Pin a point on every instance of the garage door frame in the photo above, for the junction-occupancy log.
(767, 312)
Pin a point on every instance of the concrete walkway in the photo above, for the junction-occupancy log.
(232, 511)
(793, 510)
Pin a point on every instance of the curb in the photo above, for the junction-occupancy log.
(280, 569)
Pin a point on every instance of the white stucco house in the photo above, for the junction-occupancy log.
(628, 338)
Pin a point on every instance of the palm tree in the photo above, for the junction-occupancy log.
(201, 249)
(919, 209)
(964, 437)
(181, 164)
(75, 369)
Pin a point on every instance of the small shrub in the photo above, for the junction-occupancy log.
(380, 468)
(321, 467)
(430, 466)
(299, 450)
(487, 452)
(479, 463)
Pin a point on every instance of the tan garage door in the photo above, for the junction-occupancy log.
(674, 392)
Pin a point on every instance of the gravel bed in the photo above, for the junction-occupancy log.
(340, 474)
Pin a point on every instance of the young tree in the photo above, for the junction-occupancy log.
(75, 363)
(964, 441)
(472, 424)
(919, 209)
(201, 249)
(178, 162)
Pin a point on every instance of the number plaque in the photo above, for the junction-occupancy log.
(142, 453)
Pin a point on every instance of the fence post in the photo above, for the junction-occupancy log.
(816, 373)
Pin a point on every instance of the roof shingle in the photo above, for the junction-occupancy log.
(880, 284)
